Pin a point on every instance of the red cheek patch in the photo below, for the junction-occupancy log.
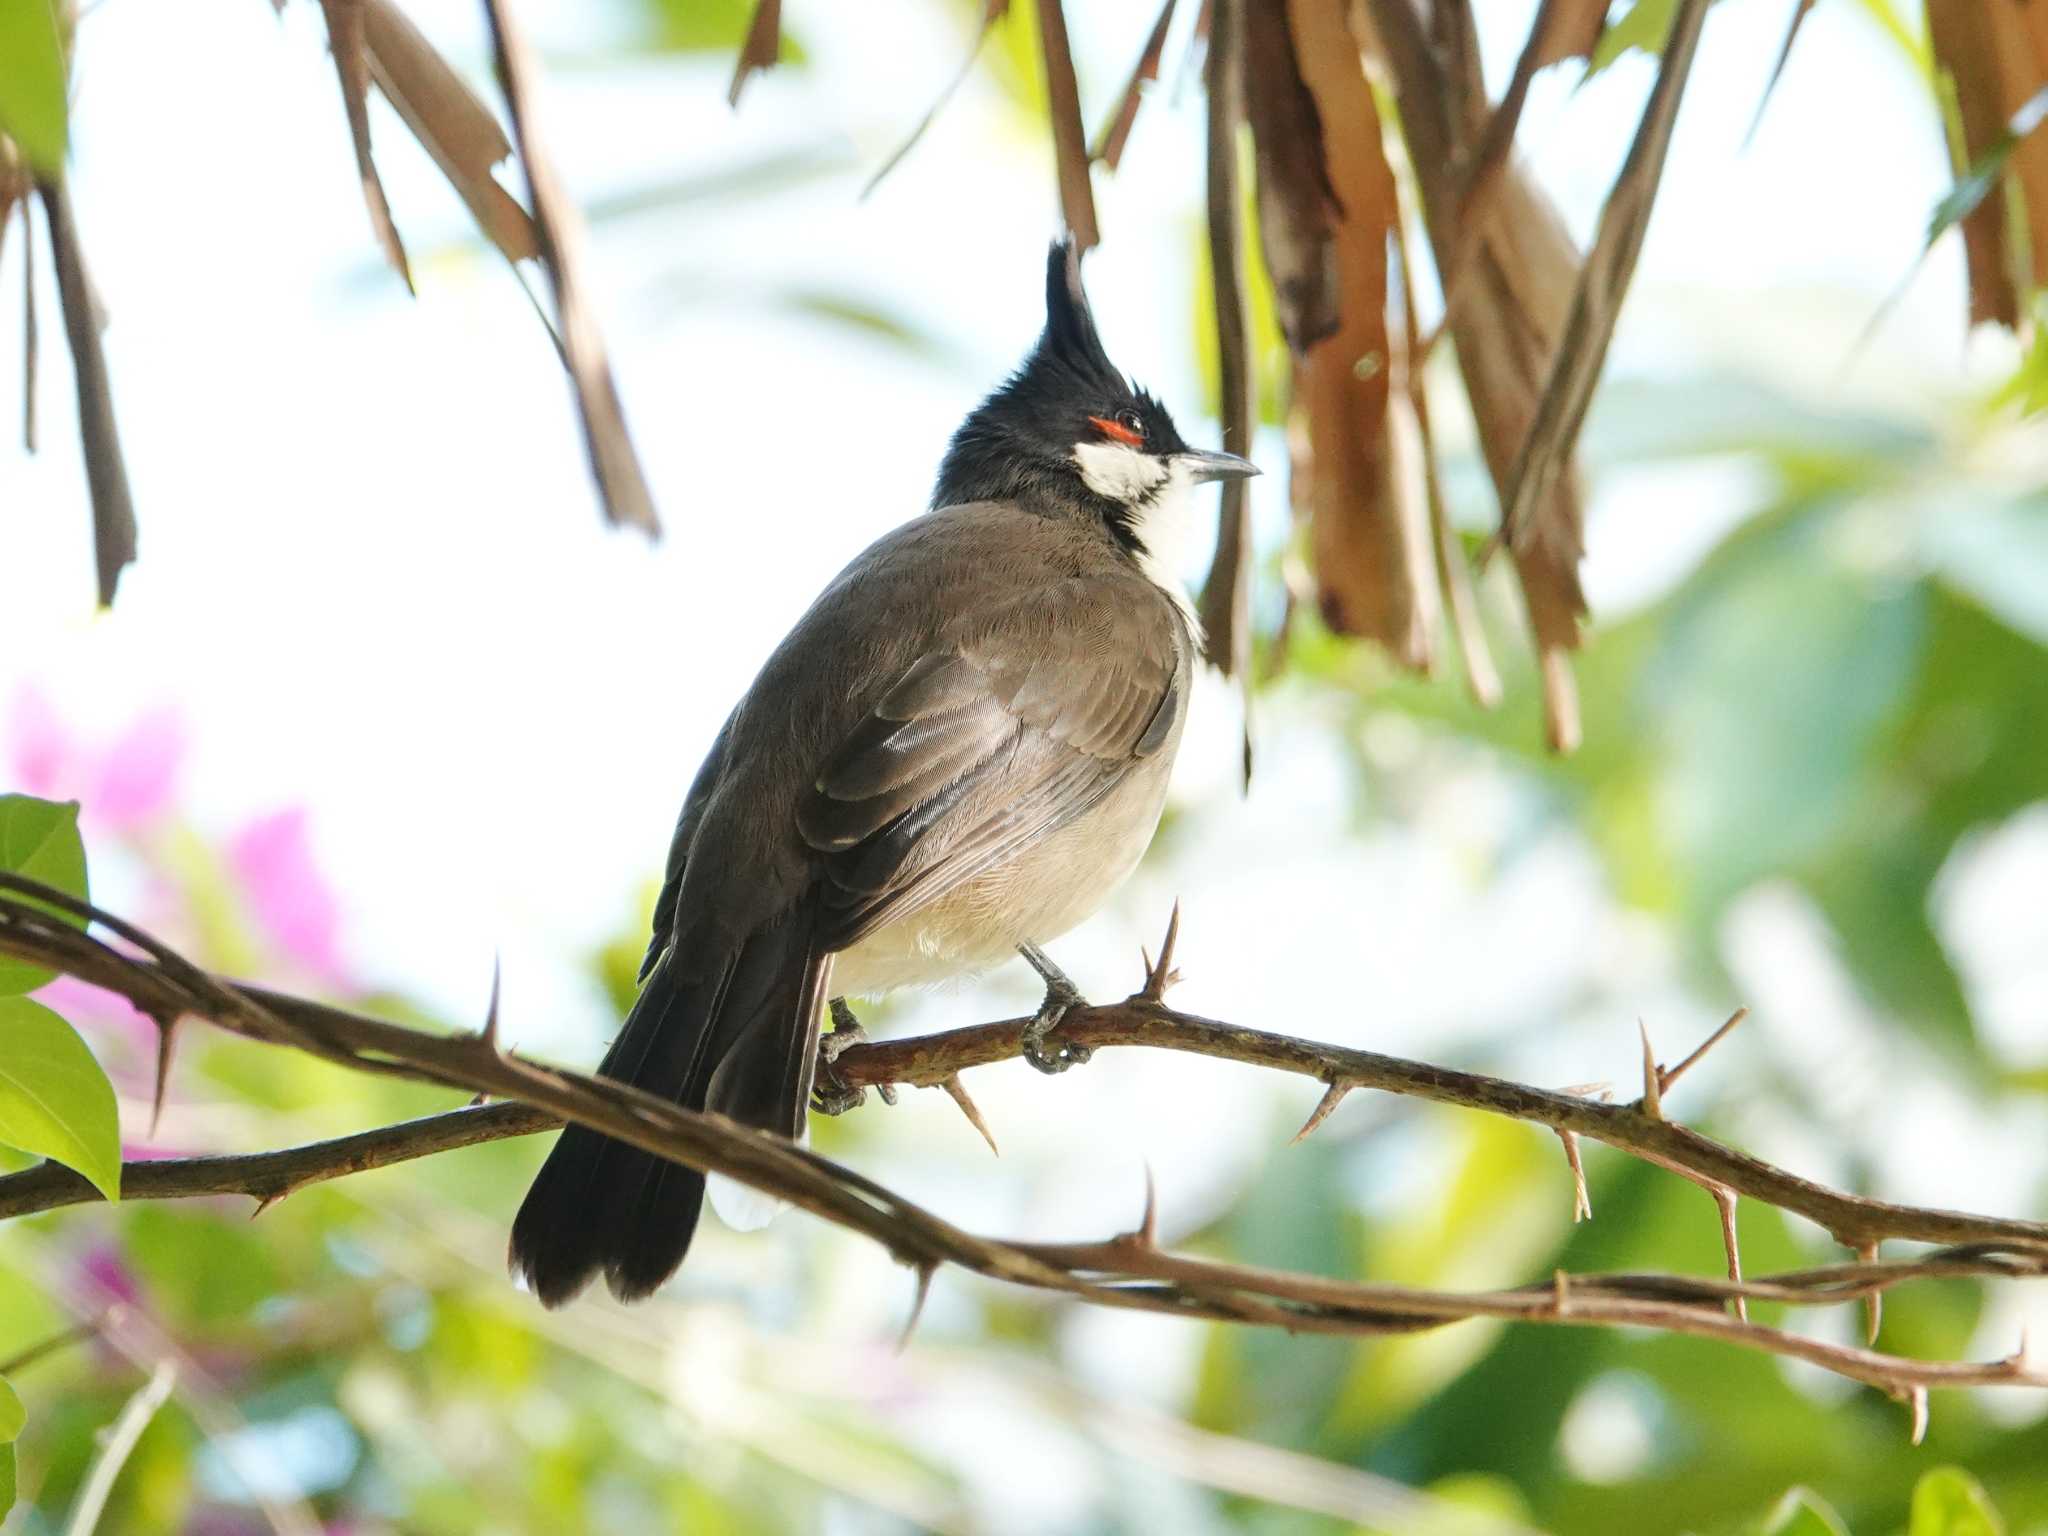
(1117, 430)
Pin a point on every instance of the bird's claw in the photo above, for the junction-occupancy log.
(831, 1094)
(1056, 1055)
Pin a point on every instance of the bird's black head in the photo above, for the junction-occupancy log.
(1068, 432)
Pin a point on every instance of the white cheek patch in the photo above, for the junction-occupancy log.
(1119, 471)
(1160, 494)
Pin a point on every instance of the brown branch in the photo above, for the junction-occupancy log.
(1132, 1271)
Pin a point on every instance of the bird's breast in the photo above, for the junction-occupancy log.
(1033, 898)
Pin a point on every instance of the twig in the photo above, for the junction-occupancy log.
(1129, 1271)
(1109, 144)
(992, 11)
(118, 1447)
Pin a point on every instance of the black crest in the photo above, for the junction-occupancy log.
(1018, 443)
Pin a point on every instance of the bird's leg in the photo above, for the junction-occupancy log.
(1060, 995)
(831, 1094)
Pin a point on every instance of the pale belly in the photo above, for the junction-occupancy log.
(1033, 899)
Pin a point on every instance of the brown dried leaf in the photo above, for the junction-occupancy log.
(621, 483)
(1565, 29)
(1799, 10)
(1109, 145)
(1996, 54)
(1297, 206)
(1069, 139)
(451, 122)
(1603, 284)
(106, 473)
(761, 50)
(346, 33)
(1226, 594)
(1370, 539)
(1508, 312)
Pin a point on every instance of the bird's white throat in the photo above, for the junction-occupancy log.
(1160, 494)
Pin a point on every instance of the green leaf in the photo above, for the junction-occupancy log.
(54, 1099)
(39, 839)
(1975, 184)
(710, 26)
(12, 1415)
(1950, 1502)
(32, 104)
(6, 1479)
(1645, 25)
(1802, 1512)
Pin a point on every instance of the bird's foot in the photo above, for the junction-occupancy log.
(1061, 995)
(831, 1094)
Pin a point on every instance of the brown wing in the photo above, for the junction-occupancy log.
(978, 752)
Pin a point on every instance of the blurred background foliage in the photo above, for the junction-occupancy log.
(1815, 778)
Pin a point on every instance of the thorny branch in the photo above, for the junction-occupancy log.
(1131, 1270)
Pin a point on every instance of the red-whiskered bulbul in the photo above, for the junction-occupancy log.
(955, 756)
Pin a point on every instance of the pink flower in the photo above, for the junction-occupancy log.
(123, 787)
(273, 858)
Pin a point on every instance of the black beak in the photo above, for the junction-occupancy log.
(1206, 466)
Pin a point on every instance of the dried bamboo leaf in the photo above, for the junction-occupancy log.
(1603, 283)
(31, 343)
(1109, 145)
(106, 473)
(1297, 206)
(1370, 539)
(621, 483)
(1226, 594)
(345, 38)
(1069, 140)
(450, 121)
(1995, 54)
(761, 50)
(1506, 325)
(1799, 10)
(992, 11)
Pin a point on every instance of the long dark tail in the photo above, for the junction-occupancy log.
(740, 1038)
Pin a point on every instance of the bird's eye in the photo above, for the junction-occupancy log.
(1127, 426)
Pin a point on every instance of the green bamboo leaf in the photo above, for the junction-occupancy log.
(1950, 1502)
(55, 1101)
(12, 1415)
(1802, 1512)
(39, 839)
(32, 105)
(6, 1479)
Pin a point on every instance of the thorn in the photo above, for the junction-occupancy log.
(1161, 976)
(1653, 1095)
(925, 1271)
(489, 1033)
(1560, 1292)
(1873, 1304)
(1604, 1092)
(1916, 1399)
(957, 1091)
(478, 1098)
(2020, 1361)
(1724, 1199)
(1666, 1079)
(1582, 1203)
(265, 1202)
(166, 1044)
(1147, 1235)
(1332, 1097)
